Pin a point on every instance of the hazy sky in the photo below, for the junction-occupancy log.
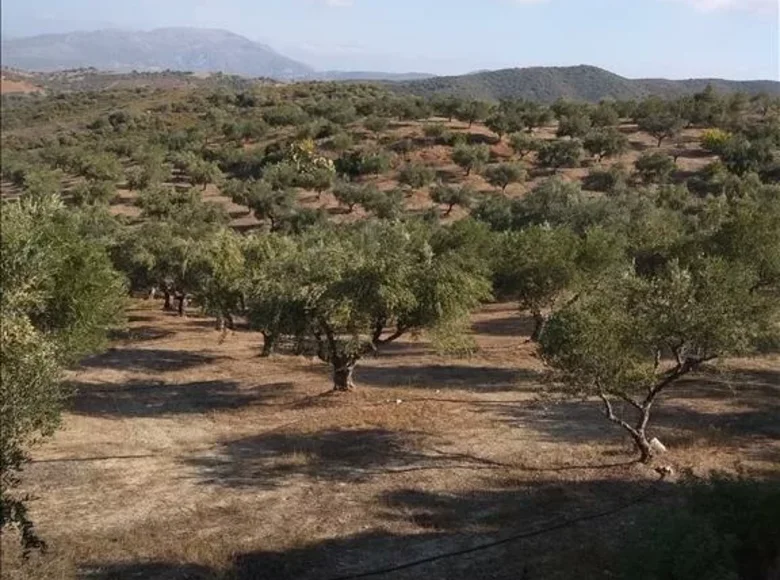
(636, 38)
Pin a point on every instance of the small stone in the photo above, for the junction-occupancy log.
(398, 401)
(657, 446)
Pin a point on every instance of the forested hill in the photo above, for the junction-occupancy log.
(583, 83)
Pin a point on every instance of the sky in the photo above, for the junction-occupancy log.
(735, 39)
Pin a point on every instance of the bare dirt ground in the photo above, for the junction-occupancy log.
(8, 86)
(185, 455)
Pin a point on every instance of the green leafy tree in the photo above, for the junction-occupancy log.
(659, 120)
(275, 302)
(185, 207)
(534, 115)
(741, 155)
(204, 173)
(376, 124)
(282, 175)
(473, 112)
(452, 195)
(268, 203)
(634, 339)
(498, 123)
(523, 144)
(360, 289)
(416, 175)
(575, 126)
(605, 143)
(341, 142)
(220, 281)
(94, 192)
(435, 132)
(503, 174)
(317, 177)
(41, 183)
(535, 266)
(560, 153)
(654, 167)
(605, 115)
(100, 167)
(59, 296)
(470, 157)
(613, 180)
(352, 194)
(385, 205)
(447, 107)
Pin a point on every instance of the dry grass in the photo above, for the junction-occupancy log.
(185, 455)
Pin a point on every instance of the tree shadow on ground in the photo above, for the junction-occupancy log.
(272, 460)
(555, 544)
(140, 334)
(744, 387)
(678, 423)
(519, 326)
(140, 318)
(481, 138)
(694, 154)
(460, 377)
(143, 398)
(148, 570)
(137, 359)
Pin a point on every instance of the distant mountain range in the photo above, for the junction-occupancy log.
(182, 49)
(583, 83)
(206, 50)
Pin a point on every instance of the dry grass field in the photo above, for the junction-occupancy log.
(184, 455)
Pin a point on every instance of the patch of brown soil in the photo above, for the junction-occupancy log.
(185, 455)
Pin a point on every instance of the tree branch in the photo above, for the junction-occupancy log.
(399, 331)
(610, 414)
(631, 402)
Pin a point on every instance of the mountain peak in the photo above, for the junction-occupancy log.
(178, 48)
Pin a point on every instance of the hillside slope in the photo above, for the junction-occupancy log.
(183, 49)
(587, 83)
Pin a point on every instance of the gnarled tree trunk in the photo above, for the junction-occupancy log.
(342, 375)
(181, 299)
(539, 322)
(269, 343)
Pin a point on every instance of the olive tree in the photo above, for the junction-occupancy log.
(575, 125)
(352, 194)
(654, 167)
(535, 266)
(523, 143)
(220, 281)
(59, 296)
(605, 143)
(416, 175)
(634, 339)
(473, 111)
(605, 115)
(452, 195)
(362, 288)
(274, 302)
(503, 174)
(376, 124)
(659, 119)
(541, 267)
(560, 153)
(470, 157)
